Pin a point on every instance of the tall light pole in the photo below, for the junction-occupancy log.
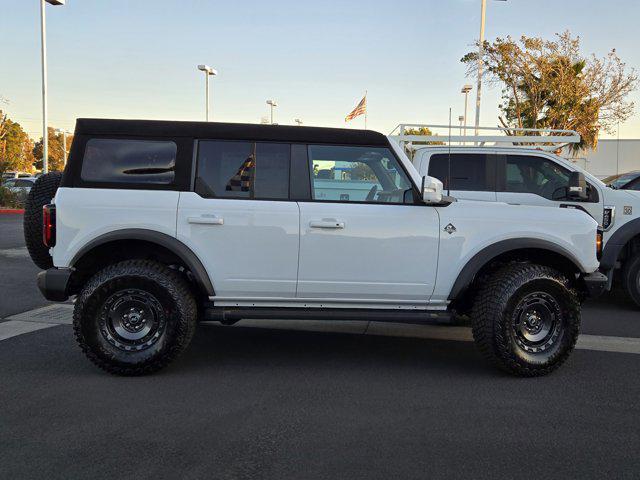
(483, 13)
(272, 103)
(466, 89)
(43, 39)
(298, 121)
(208, 71)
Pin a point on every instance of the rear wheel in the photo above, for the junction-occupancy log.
(43, 190)
(134, 317)
(631, 278)
(526, 319)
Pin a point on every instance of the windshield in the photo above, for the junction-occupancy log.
(619, 181)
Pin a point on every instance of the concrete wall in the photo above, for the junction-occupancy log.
(611, 157)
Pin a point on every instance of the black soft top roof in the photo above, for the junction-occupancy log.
(228, 131)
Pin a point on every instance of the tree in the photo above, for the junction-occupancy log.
(550, 84)
(15, 146)
(55, 155)
(421, 131)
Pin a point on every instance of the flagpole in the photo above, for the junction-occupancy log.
(365, 109)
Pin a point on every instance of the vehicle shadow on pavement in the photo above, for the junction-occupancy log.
(277, 348)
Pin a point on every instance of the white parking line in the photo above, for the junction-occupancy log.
(13, 328)
(21, 252)
(61, 314)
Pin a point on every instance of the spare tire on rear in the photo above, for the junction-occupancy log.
(41, 194)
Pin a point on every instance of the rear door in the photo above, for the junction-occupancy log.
(239, 220)
(469, 175)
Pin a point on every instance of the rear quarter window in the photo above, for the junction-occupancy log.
(468, 171)
(125, 161)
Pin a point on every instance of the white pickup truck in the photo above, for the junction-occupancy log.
(519, 170)
(155, 225)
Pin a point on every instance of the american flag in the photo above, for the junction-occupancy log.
(360, 109)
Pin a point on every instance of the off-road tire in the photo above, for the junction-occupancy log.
(495, 313)
(631, 278)
(93, 320)
(41, 194)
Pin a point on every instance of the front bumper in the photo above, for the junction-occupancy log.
(595, 284)
(54, 284)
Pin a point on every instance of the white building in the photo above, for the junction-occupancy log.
(611, 157)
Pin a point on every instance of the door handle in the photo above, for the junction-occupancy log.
(326, 223)
(206, 220)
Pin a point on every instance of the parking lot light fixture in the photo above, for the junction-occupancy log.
(272, 104)
(208, 71)
(465, 90)
(43, 44)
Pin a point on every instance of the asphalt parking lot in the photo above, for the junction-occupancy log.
(246, 402)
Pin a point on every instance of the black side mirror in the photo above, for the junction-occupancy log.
(577, 189)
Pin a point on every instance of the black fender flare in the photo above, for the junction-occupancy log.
(487, 254)
(617, 242)
(172, 244)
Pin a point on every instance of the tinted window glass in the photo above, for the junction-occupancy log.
(635, 185)
(23, 183)
(129, 161)
(228, 169)
(469, 171)
(357, 174)
(537, 175)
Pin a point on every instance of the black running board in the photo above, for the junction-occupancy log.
(229, 315)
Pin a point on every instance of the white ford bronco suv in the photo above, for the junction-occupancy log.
(155, 225)
(488, 168)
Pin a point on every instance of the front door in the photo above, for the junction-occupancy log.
(526, 179)
(363, 237)
(239, 221)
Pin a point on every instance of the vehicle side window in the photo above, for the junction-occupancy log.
(252, 170)
(469, 171)
(357, 174)
(537, 175)
(23, 183)
(129, 161)
(633, 185)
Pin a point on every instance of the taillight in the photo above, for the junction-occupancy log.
(49, 225)
(599, 242)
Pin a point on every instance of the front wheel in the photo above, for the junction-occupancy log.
(631, 278)
(134, 317)
(526, 319)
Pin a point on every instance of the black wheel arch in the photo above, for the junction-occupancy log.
(618, 241)
(162, 240)
(523, 249)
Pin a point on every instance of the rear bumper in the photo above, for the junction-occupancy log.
(595, 283)
(54, 284)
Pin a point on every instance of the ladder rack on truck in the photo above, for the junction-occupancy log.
(540, 138)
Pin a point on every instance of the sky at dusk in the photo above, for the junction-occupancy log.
(137, 58)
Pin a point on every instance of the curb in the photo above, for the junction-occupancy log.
(11, 211)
